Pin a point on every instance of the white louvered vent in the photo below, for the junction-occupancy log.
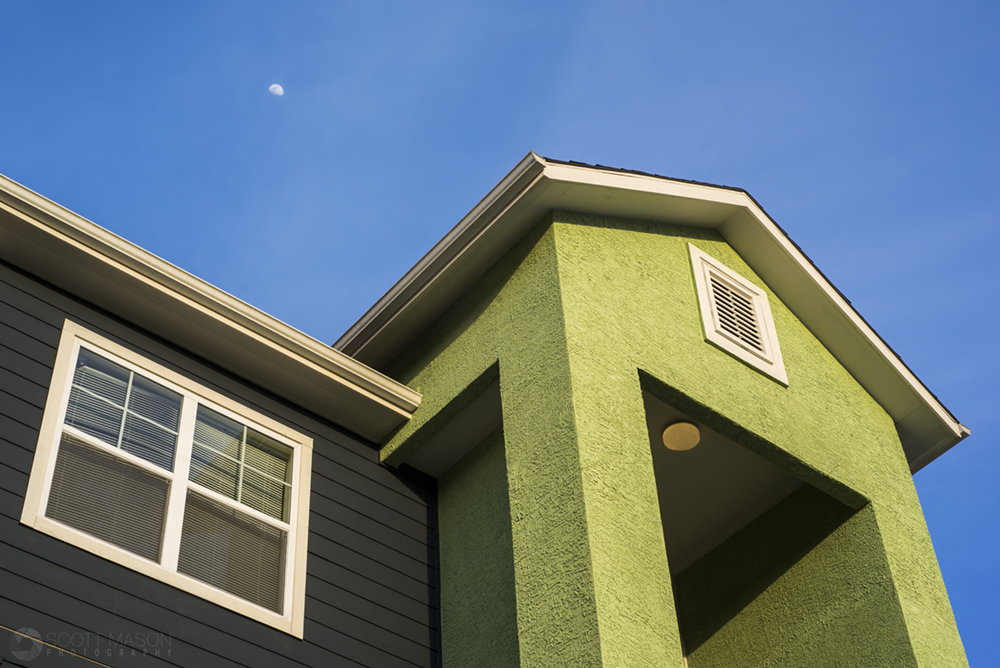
(736, 315)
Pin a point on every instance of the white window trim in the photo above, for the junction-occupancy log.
(768, 361)
(73, 337)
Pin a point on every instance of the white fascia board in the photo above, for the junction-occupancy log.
(537, 186)
(836, 323)
(98, 265)
(436, 264)
(532, 189)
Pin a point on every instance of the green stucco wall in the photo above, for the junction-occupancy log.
(570, 317)
(806, 584)
(478, 606)
(514, 316)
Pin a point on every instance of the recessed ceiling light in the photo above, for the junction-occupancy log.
(681, 436)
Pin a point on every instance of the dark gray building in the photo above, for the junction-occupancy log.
(186, 480)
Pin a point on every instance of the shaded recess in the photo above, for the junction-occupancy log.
(478, 600)
(710, 492)
(463, 447)
(459, 426)
(768, 569)
(806, 584)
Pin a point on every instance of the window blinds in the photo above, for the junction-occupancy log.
(232, 551)
(241, 464)
(108, 498)
(124, 410)
(99, 491)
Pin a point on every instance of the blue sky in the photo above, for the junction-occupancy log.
(866, 130)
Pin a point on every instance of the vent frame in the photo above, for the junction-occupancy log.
(736, 315)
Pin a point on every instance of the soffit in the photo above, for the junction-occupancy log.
(536, 186)
(86, 260)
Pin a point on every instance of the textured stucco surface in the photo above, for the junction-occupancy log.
(478, 606)
(806, 584)
(573, 317)
(514, 315)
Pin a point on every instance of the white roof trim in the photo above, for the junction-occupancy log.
(536, 186)
(152, 293)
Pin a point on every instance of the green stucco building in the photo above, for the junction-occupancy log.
(555, 334)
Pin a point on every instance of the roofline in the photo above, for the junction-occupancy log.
(537, 185)
(96, 263)
(444, 252)
(782, 231)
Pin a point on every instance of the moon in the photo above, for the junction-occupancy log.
(276, 89)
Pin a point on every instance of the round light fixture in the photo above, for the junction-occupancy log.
(681, 436)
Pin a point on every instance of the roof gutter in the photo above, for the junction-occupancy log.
(434, 265)
(144, 289)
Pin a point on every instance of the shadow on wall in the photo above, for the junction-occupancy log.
(805, 584)
(772, 562)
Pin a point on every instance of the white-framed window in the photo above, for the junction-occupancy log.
(144, 467)
(736, 315)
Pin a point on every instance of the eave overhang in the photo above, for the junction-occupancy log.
(90, 262)
(537, 185)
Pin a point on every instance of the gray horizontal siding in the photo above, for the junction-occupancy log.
(371, 591)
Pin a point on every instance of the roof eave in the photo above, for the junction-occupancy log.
(536, 186)
(144, 289)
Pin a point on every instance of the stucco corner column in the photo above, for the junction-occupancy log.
(591, 574)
